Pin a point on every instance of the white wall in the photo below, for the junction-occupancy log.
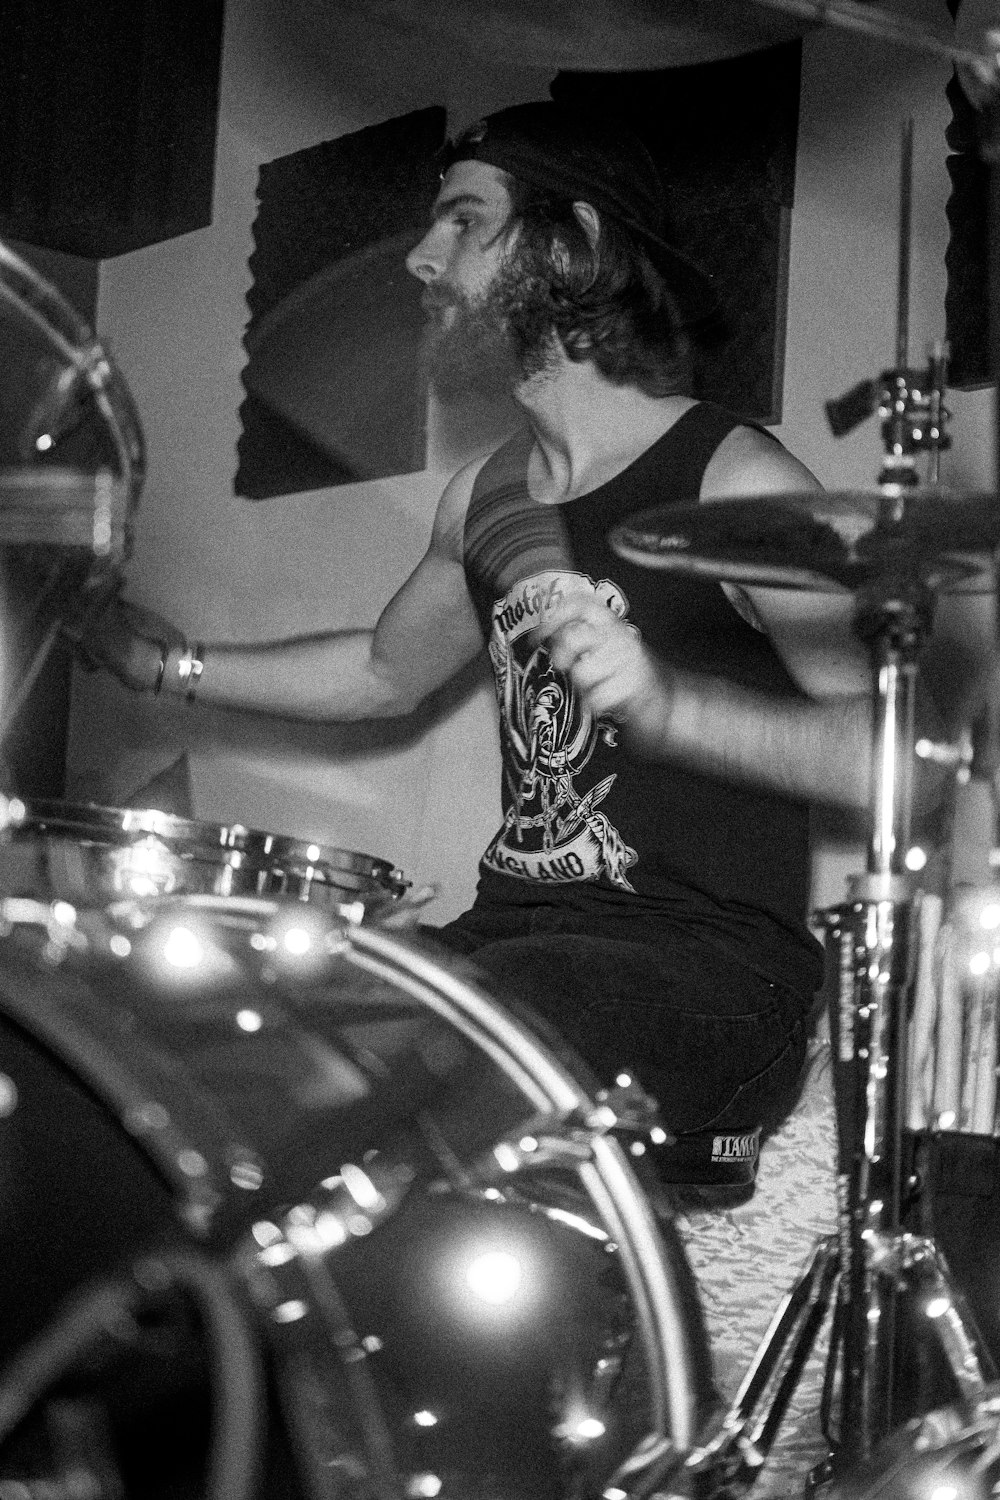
(426, 798)
(856, 94)
(228, 568)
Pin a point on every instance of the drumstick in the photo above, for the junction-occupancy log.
(920, 1084)
(984, 1097)
(948, 1069)
(973, 1027)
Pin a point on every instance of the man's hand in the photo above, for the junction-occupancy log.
(607, 662)
(126, 639)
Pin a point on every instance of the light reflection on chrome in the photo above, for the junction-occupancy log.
(182, 949)
(495, 1277)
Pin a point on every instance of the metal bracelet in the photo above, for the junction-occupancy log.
(189, 669)
(161, 669)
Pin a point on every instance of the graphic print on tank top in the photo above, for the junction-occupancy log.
(553, 829)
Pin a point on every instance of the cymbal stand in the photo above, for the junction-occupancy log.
(879, 1262)
(863, 1271)
(872, 1267)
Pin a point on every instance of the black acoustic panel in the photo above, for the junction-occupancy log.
(724, 136)
(108, 114)
(968, 302)
(334, 392)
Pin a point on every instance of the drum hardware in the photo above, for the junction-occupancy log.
(734, 1456)
(631, 1112)
(82, 379)
(375, 1207)
(71, 476)
(895, 549)
(88, 855)
(952, 1451)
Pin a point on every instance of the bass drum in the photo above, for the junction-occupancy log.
(239, 1134)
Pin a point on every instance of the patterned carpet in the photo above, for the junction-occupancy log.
(746, 1258)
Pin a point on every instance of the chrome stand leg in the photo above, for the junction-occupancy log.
(902, 1271)
(883, 1270)
(880, 1280)
(729, 1463)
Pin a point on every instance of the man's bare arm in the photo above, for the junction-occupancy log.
(817, 747)
(815, 750)
(426, 633)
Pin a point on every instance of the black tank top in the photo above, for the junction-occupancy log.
(586, 823)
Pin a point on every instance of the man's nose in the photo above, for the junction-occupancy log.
(425, 260)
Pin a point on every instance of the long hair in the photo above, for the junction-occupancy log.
(605, 302)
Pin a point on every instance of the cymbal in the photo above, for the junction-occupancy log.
(827, 542)
(892, 22)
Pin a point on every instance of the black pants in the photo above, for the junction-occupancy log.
(718, 1045)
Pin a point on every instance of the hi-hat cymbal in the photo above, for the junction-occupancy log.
(944, 539)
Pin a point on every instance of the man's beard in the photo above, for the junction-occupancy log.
(494, 342)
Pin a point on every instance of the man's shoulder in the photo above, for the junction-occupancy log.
(453, 507)
(489, 467)
(752, 461)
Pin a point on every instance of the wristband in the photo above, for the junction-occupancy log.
(189, 670)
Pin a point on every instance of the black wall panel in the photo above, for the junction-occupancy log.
(108, 113)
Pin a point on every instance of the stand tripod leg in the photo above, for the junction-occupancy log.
(732, 1460)
(899, 1313)
(907, 1272)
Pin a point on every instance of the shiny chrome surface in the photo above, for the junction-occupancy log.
(329, 1108)
(951, 1451)
(93, 855)
(72, 454)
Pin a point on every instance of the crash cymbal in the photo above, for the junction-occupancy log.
(897, 24)
(941, 538)
(627, 34)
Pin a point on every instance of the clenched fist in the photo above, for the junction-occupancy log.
(125, 639)
(607, 661)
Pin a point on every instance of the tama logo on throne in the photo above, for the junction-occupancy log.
(553, 829)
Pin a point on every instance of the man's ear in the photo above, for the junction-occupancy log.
(589, 221)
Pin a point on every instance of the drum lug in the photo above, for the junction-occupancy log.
(347, 1205)
(530, 1148)
(628, 1110)
(58, 919)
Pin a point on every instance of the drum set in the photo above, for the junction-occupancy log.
(291, 1205)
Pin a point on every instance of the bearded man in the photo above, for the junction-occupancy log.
(662, 736)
